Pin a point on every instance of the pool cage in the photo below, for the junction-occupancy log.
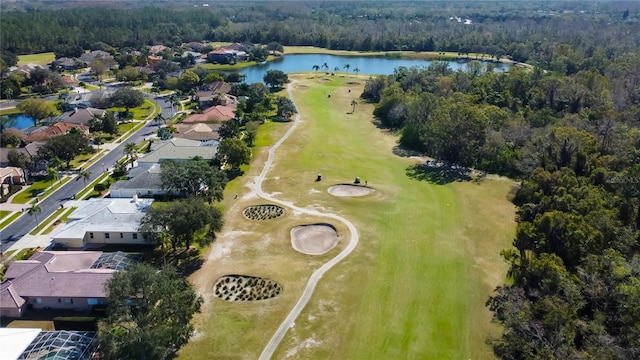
(61, 345)
(116, 260)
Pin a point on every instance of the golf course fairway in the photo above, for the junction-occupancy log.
(416, 284)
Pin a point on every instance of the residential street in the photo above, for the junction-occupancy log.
(25, 223)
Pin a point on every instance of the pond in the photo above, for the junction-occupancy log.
(366, 64)
(20, 121)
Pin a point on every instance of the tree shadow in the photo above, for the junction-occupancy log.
(438, 172)
(234, 173)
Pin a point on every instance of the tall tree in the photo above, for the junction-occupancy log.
(66, 147)
(52, 175)
(85, 175)
(37, 109)
(356, 71)
(34, 210)
(286, 108)
(194, 177)
(316, 68)
(185, 221)
(127, 98)
(149, 314)
(347, 66)
(130, 151)
(234, 152)
(275, 78)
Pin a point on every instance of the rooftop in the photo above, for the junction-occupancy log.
(178, 149)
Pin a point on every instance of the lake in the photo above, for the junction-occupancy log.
(20, 121)
(366, 64)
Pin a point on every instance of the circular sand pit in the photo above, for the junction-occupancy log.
(245, 288)
(263, 212)
(352, 83)
(348, 190)
(314, 239)
(324, 80)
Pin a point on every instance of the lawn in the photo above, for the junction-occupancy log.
(4, 213)
(9, 220)
(414, 287)
(40, 59)
(141, 112)
(9, 111)
(36, 188)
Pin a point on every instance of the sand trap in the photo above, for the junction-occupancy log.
(324, 80)
(348, 190)
(352, 83)
(302, 87)
(314, 239)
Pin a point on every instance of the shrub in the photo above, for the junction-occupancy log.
(100, 187)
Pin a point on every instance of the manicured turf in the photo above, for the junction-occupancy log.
(141, 112)
(415, 286)
(9, 111)
(38, 187)
(4, 213)
(9, 220)
(41, 58)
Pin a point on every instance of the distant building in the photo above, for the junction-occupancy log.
(178, 149)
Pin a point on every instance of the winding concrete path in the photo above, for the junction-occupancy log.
(289, 321)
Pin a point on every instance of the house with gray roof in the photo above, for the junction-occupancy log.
(142, 181)
(54, 279)
(178, 149)
(99, 222)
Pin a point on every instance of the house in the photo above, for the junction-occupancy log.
(27, 69)
(142, 181)
(11, 175)
(72, 280)
(57, 129)
(218, 113)
(238, 47)
(30, 150)
(196, 55)
(194, 46)
(82, 116)
(87, 58)
(156, 49)
(64, 63)
(178, 149)
(222, 56)
(197, 131)
(98, 222)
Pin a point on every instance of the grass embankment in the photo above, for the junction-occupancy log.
(415, 286)
(40, 59)
(10, 111)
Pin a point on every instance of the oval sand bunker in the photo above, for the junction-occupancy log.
(346, 190)
(314, 239)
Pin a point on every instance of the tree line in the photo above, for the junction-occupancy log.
(566, 35)
(573, 142)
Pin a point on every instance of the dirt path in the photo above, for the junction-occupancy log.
(289, 321)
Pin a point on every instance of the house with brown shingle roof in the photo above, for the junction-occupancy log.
(54, 279)
(197, 131)
(156, 49)
(214, 114)
(57, 129)
(82, 116)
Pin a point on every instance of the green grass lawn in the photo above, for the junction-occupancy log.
(415, 286)
(47, 223)
(36, 188)
(6, 221)
(4, 213)
(141, 112)
(80, 160)
(41, 58)
(9, 111)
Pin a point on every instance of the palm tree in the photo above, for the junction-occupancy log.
(325, 67)
(159, 118)
(85, 175)
(336, 69)
(356, 70)
(52, 175)
(34, 210)
(8, 92)
(316, 68)
(130, 149)
(56, 163)
(353, 104)
(174, 101)
(347, 66)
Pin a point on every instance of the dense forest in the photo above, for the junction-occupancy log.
(561, 35)
(567, 129)
(574, 143)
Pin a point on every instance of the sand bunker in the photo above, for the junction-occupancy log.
(324, 80)
(302, 87)
(348, 190)
(352, 83)
(314, 239)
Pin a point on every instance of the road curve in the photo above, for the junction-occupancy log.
(288, 322)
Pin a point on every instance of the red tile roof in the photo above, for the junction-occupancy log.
(213, 114)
